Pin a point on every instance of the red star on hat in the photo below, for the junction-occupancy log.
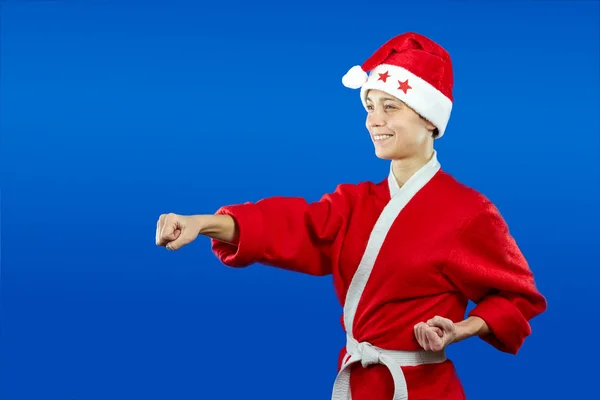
(383, 77)
(404, 86)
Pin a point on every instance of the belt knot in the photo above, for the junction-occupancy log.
(368, 354)
(394, 360)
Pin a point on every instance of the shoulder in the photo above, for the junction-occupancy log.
(461, 199)
(463, 193)
(362, 189)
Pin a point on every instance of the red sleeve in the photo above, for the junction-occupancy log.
(288, 232)
(488, 267)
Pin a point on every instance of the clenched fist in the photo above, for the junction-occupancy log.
(436, 334)
(175, 231)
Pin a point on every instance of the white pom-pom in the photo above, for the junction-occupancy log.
(355, 77)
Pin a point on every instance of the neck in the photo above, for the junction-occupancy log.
(403, 169)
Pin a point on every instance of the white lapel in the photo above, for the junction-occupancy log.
(399, 198)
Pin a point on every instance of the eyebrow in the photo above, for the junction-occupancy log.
(384, 98)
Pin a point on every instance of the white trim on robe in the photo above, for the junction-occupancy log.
(400, 196)
(364, 352)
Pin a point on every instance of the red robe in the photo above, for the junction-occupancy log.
(443, 245)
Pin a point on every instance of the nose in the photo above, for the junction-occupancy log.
(375, 119)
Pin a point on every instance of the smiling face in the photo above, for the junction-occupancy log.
(397, 131)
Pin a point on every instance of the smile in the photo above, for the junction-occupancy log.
(381, 137)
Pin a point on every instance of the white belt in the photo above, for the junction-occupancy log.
(368, 354)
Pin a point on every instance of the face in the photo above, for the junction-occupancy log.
(396, 130)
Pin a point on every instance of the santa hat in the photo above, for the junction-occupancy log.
(413, 69)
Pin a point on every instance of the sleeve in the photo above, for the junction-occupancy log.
(487, 266)
(288, 232)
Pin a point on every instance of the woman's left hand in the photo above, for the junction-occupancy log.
(435, 334)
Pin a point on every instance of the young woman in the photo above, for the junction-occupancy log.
(406, 253)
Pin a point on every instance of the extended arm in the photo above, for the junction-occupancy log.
(284, 232)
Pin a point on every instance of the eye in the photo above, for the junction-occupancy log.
(369, 107)
(390, 107)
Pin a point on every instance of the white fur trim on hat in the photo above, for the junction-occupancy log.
(355, 77)
(418, 94)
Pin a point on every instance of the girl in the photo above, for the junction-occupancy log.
(406, 253)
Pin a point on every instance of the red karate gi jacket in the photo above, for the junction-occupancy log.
(449, 244)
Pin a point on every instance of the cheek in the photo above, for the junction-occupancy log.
(400, 129)
(406, 123)
(408, 132)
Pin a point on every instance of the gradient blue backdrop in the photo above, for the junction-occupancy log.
(114, 112)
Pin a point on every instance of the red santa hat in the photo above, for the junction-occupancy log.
(413, 69)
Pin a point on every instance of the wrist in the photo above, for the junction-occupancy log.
(472, 326)
(209, 225)
(221, 227)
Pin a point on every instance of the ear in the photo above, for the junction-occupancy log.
(430, 127)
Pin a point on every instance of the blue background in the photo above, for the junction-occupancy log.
(113, 112)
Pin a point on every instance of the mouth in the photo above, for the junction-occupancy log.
(379, 138)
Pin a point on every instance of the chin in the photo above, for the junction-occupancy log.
(384, 155)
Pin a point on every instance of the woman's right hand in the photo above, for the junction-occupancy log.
(174, 231)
